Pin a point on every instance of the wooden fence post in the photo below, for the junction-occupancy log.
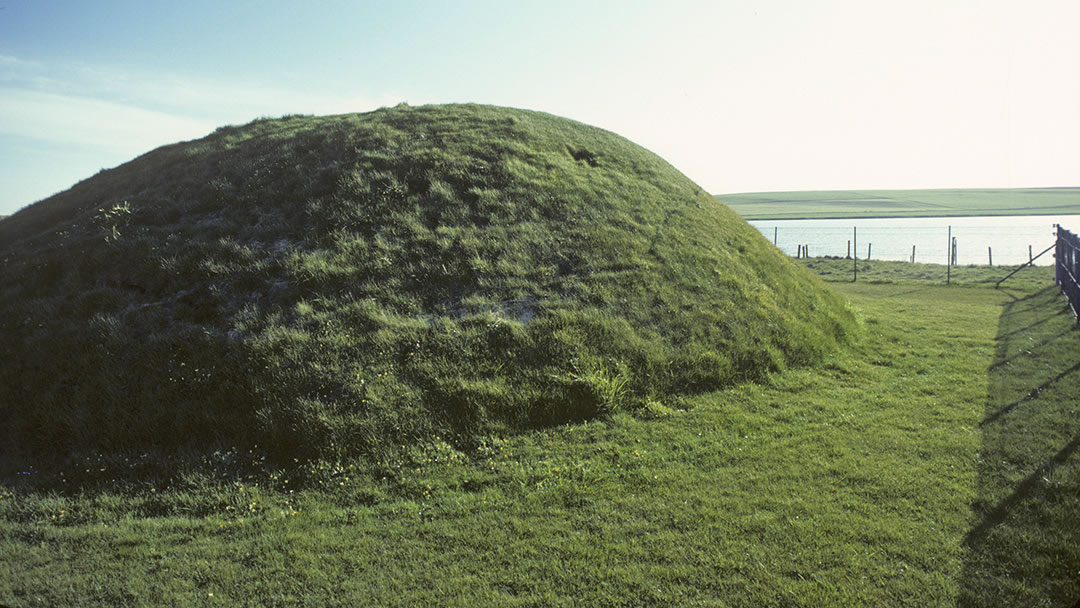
(990, 252)
(855, 258)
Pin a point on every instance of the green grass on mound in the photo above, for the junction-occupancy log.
(342, 285)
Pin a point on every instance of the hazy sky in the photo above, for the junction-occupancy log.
(739, 95)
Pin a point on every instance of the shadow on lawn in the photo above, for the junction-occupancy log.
(1023, 547)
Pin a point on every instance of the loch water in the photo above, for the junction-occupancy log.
(1007, 237)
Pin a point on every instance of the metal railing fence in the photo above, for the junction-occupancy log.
(1067, 267)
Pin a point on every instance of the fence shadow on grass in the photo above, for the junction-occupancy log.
(1023, 547)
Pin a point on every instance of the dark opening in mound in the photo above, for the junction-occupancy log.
(584, 155)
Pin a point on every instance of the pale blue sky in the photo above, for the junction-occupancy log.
(739, 95)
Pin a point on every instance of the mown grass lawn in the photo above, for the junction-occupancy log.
(932, 464)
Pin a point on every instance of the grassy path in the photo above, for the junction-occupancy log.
(934, 463)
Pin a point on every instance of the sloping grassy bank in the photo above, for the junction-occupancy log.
(932, 464)
(334, 286)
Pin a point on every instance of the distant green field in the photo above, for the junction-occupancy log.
(904, 203)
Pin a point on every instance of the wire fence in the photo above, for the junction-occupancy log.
(1068, 267)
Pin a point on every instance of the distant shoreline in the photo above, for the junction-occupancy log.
(754, 218)
(867, 204)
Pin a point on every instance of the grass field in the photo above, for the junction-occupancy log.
(837, 269)
(904, 203)
(932, 464)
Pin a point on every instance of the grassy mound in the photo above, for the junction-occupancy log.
(335, 285)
